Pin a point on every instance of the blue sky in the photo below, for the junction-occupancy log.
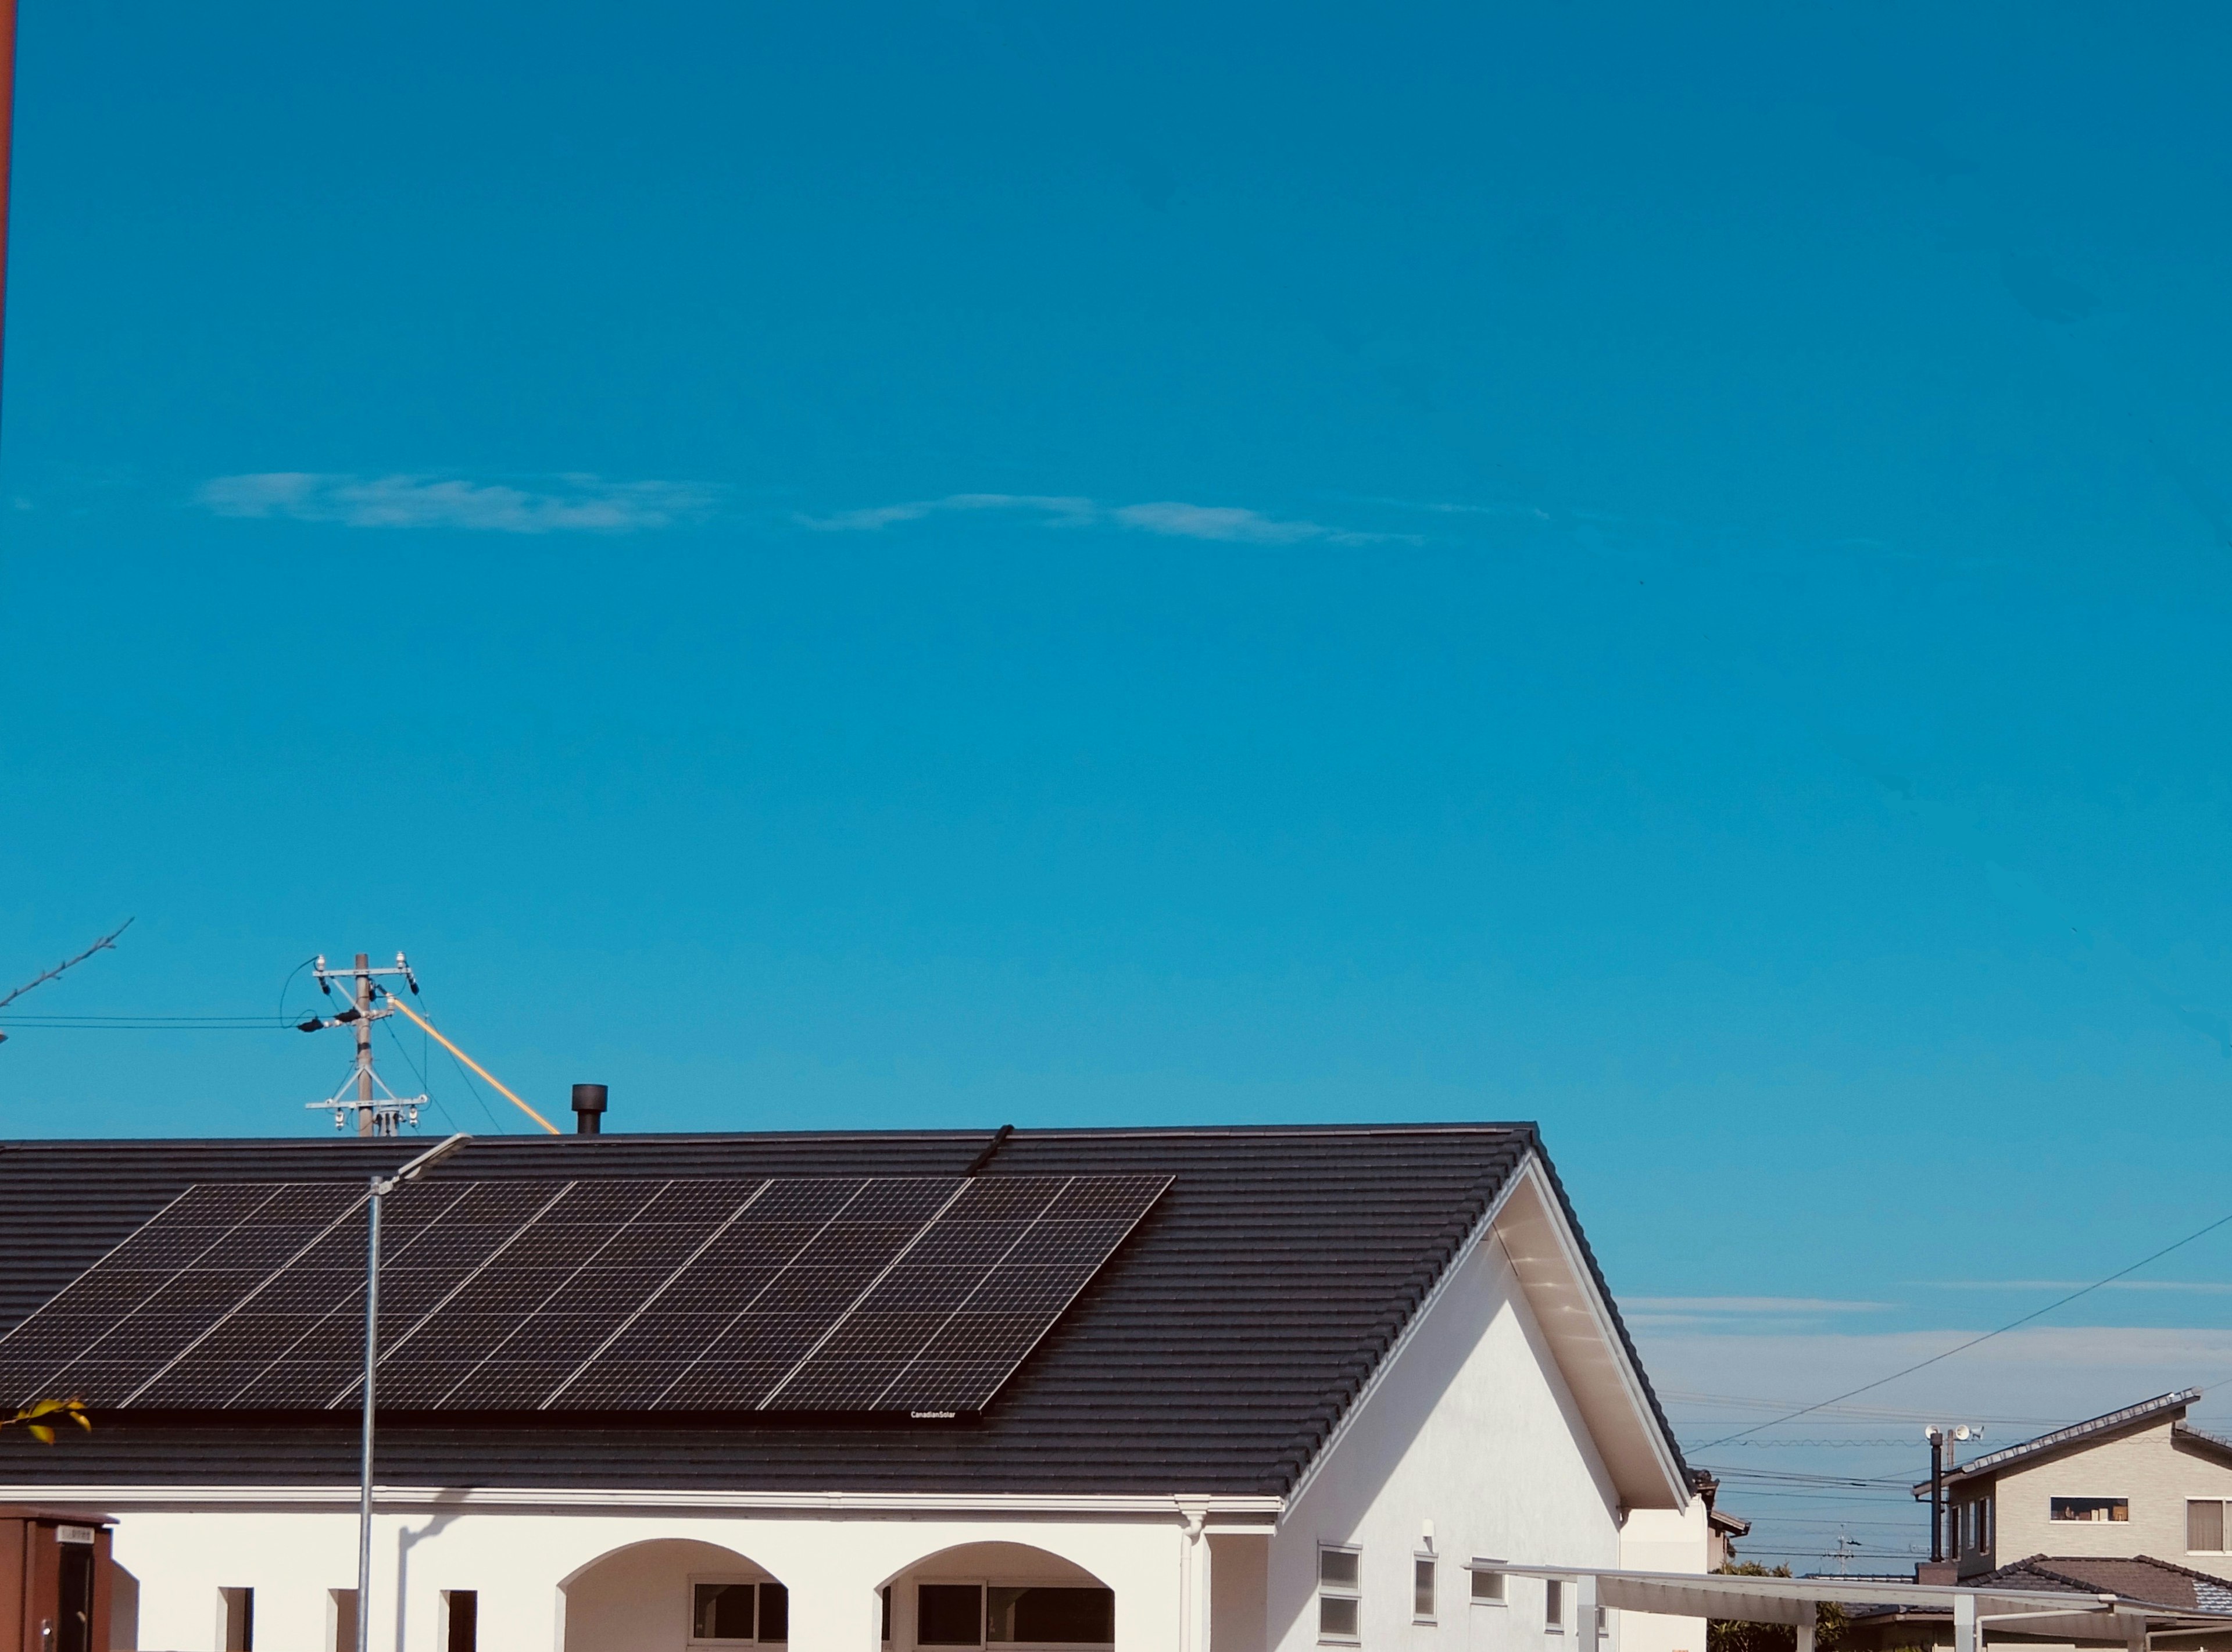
(1662, 572)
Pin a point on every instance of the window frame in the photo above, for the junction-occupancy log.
(2224, 1506)
(235, 1618)
(730, 1578)
(2110, 1503)
(450, 1624)
(985, 1586)
(1351, 1593)
(1477, 1569)
(1554, 1606)
(1425, 1564)
(341, 1620)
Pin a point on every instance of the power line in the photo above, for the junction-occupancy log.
(419, 1071)
(150, 1023)
(2012, 1324)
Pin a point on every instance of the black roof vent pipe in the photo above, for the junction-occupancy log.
(999, 1139)
(588, 1108)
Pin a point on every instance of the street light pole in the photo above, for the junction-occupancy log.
(382, 1186)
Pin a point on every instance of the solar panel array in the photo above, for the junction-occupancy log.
(792, 1294)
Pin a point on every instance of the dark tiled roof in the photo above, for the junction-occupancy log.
(2110, 1423)
(1214, 1353)
(2142, 1579)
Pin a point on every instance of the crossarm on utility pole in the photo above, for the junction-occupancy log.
(429, 1027)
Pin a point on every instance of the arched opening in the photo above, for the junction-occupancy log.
(674, 1595)
(1008, 1596)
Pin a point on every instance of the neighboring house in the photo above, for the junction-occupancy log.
(1721, 1528)
(2138, 1481)
(2156, 1586)
(1326, 1370)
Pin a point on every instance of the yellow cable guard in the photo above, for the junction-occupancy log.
(474, 1064)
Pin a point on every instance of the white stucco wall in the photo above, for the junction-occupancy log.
(518, 1559)
(1660, 1539)
(1473, 1430)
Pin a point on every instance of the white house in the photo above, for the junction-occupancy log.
(1326, 1370)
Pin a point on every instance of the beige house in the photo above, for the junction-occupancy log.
(2138, 1481)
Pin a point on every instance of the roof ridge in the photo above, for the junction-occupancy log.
(2177, 1399)
(2172, 1565)
(1064, 1132)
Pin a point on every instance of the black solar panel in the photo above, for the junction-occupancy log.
(862, 1294)
(950, 1321)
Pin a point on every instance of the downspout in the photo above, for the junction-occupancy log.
(1193, 1580)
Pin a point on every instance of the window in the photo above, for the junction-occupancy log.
(1487, 1587)
(341, 1620)
(736, 1612)
(236, 1620)
(887, 1592)
(461, 1619)
(2089, 1508)
(1984, 1522)
(1340, 1604)
(1554, 1607)
(948, 1615)
(1422, 1589)
(74, 1590)
(2204, 1525)
(1036, 1615)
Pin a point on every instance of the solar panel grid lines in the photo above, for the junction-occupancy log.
(706, 1299)
(452, 1269)
(970, 1358)
(921, 1293)
(680, 1293)
(866, 1290)
(665, 1285)
(506, 1283)
(40, 1351)
(433, 1241)
(579, 1313)
(220, 1250)
(793, 1313)
(283, 1309)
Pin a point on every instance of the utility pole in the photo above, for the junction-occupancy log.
(1941, 1438)
(380, 1110)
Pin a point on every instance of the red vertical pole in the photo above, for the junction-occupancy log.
(7, 149)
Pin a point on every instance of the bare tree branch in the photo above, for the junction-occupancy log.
(106, 941)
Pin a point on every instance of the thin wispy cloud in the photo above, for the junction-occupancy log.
(1757, 1305)
(2202, 1287)
(1172, 518)
(568, 504)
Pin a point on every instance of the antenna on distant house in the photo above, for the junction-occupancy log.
(384, 1113)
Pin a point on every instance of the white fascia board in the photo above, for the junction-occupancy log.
(1404, 1338)
(1662, 1447)
(602, 1501)
(1530, 1175)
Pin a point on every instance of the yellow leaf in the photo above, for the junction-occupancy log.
(42, 1434)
